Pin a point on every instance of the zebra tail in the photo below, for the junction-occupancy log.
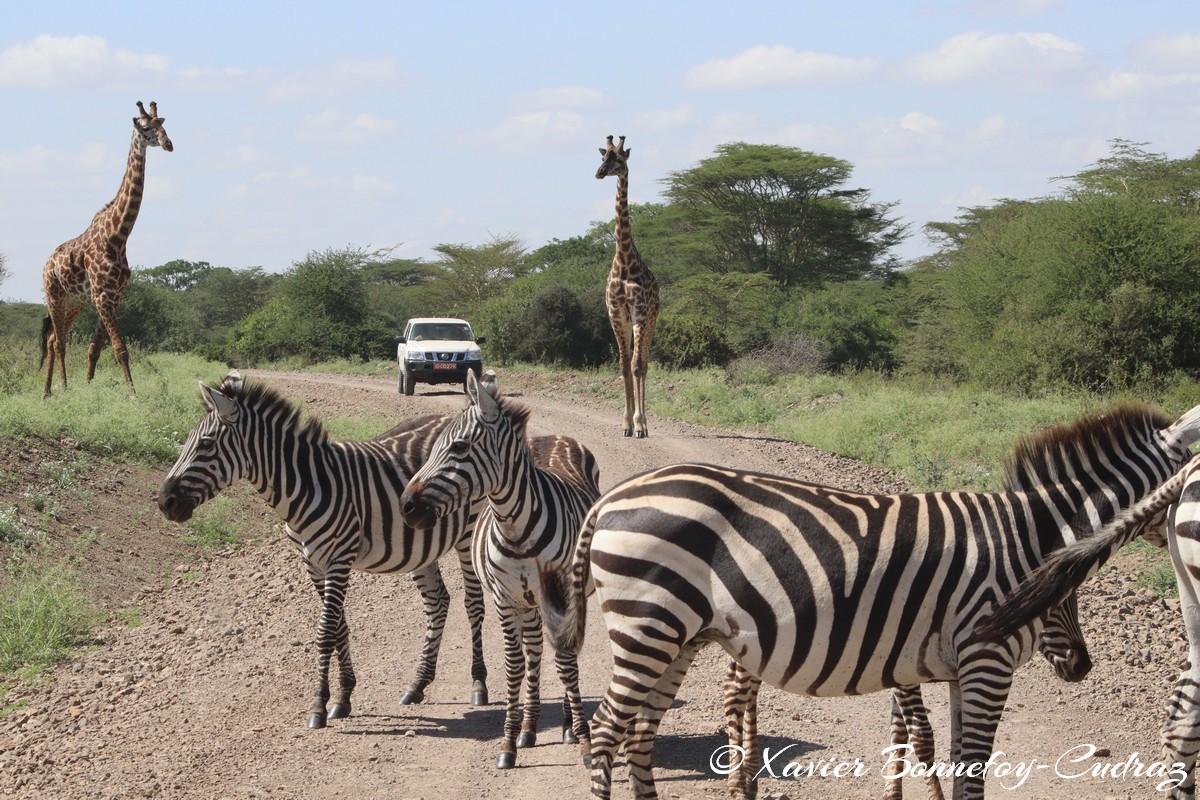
(1066, 569)
(46, 325)
(564, 606)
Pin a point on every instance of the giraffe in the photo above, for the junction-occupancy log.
(93, 266)
(631, 296)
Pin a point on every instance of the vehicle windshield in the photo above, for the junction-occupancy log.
(442, 331)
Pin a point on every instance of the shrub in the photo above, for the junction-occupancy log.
(790, 355)
(690, 343)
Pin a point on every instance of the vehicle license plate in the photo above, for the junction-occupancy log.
(445, 366)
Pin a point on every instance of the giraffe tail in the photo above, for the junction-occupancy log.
(47, 325)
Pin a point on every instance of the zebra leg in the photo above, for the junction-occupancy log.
(640, 743)
(531, 640)
(634, 676)
(1181, 729)
(979, 695)
(437, 606)
(514, 674)
(741, 728)
(346, 679)
(575, 727)
(910, 725)
(331, 586)
(473, 599)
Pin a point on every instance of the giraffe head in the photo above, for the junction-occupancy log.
(613, 159)
(150, 127)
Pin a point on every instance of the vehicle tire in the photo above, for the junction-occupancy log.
(408, 385)
(400, 381)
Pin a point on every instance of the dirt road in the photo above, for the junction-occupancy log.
(206, 696)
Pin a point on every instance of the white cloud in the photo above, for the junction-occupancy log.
(536, 131)
(87, 62)
(764, 66)
(1170, 52)
(1017, 61)
(666, 119)
(372, 187)
(1140, 85)
(345, 130)
(560, 97)
(343, 77)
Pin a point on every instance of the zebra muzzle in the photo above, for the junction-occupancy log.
(416, 509)
(174, 505)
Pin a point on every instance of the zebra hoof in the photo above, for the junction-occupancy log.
(506, 760)
(412, 697)
(587, 761)
(526, 739)
(479, 697)
(569, 736)
(339, 710)
(316, 719)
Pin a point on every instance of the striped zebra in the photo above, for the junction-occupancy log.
(340, 501)
(827, 592)
(1061, 642)
(1070, 567)
(538, 491)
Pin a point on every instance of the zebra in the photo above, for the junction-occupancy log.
(340, 502)
(1170, 516)
(538, 491)
(827, 592)
(1061, 642)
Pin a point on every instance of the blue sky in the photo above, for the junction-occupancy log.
(303, 126)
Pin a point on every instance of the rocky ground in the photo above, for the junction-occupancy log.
(198, 686)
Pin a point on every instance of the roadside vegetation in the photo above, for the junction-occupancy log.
(785, 310)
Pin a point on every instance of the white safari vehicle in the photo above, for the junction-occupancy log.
(437, 350)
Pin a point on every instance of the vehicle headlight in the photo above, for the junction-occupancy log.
(415, 355)
(474, 354)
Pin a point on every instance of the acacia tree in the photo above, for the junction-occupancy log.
(464, 276)
(3, 268)
(777, 210)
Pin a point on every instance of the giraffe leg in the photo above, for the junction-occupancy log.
(106, 307)
(624, 336)
(62, 314)
(642, 334)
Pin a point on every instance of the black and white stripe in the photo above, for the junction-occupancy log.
(826, 592)
(538, 491)
(1061, 642)
(341, 503)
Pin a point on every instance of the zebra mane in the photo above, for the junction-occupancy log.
(518, 414)
(1040, 458)
(266, 401)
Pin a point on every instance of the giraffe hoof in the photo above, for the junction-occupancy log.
(506, 760)
(642, 434)
(627, 433)
(316, 719)
(339, 710)
(479, 697)
(412, 697)
(526, 739)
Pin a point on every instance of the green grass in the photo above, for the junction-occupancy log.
(1154, 570)
(213, 526)
(43, 616)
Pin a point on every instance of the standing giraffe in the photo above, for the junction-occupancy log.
(631, 295)
(93, 266)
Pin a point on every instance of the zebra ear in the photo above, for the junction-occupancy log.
(232, 381)
(483, 398)
(1186, 429)
(217, 402)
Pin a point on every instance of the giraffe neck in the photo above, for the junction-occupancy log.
(627, 256)
(122, 212)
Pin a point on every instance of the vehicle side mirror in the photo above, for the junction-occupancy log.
(481, 340)
(401, 340)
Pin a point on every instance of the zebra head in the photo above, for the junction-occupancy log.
(471, 457)
(213, 455)
(1062, 643)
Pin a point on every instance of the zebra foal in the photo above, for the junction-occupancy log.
(1175, 506)
(1061, 642)
(538, 491)
(826, 592)
(340, 501)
